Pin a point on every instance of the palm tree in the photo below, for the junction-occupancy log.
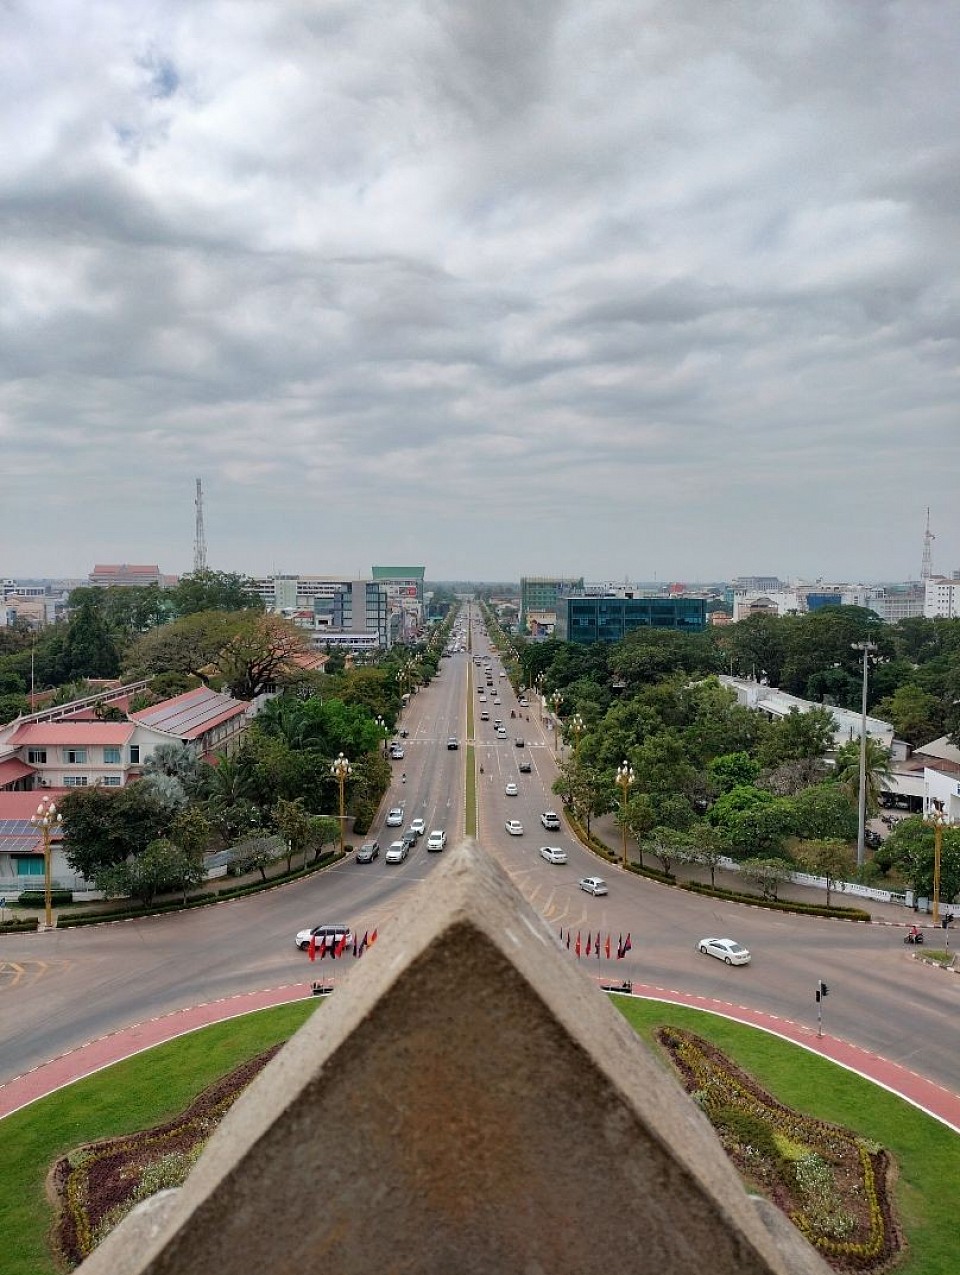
(877, 768)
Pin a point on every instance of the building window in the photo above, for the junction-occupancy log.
(32, 867)
(37, 756)
(111, 781)
(75, 781)
(111, 756)
(75, 756)
(134, 754)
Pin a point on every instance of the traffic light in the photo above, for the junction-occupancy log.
(822, 991)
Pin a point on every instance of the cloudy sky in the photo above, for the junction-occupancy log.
(657, 289)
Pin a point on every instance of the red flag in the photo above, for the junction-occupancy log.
(578, 945)
(627, 945)
(608, 947)
(312, 949)
(322, 949)
(589, 943)
(620, 948)
(373, 938)
(341, 947)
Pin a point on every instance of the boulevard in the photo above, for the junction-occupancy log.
(61, 989)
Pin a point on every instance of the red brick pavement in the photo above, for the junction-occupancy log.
(97, 1054)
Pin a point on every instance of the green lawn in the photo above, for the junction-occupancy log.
(127, 1097)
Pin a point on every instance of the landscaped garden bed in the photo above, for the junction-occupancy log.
(833, 1185)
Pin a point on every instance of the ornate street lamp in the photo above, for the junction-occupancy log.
(556, 699)
(341, 771)
(576, 727)
(937, 820)
(384, 731)
(45, 819)
(866, 648)
(624, 779)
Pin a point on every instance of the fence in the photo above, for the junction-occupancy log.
(854, 888)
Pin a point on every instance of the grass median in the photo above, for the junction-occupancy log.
(126, 1097)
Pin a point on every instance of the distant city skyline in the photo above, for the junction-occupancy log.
(623, 287)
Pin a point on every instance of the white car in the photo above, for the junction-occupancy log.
(395, 818)
(497, 700)
(396, 752)
(418, 826)
(727, 950)
(514, 827)
(593, 885)
(524, 704)
(550, 820)
(553, 854)
(511, 789)
(396, 853)
(437, 840)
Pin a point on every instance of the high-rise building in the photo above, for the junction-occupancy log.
(538, 601)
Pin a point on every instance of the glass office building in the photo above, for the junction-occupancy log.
(609, 619)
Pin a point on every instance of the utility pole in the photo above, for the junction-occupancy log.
(865, 648)
(199, 539)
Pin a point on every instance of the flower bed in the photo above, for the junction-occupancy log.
(833, 1185)
(96, 1186)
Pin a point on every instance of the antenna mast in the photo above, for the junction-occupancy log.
(926, 569)
(200, 540)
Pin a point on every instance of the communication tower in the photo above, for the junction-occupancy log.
(199, 539)
(926, 570)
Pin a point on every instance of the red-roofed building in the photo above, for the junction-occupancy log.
(21, 847)
(210, 720)
(126, 575)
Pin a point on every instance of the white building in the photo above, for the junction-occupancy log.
(942, 599)
(778, 704)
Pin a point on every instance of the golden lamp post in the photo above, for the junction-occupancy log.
(341, 771)
(937, 820)
(624, 779)
(576, 729)
(45, 819)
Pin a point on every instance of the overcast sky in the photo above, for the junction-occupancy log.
(656, 289)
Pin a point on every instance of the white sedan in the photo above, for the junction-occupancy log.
(418, 826)
(511, 789)
(514, 827)
(553, 854)
(726, 950)
(593, 885)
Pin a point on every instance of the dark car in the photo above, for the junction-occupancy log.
(453, 742)
(519, 741)
(368, 852)
(525, 767)
(409, 839)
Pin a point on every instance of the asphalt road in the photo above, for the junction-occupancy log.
(62, 989)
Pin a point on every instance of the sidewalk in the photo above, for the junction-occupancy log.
(97, 1054)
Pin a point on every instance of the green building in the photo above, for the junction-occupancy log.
(609, 619)
(538, 601)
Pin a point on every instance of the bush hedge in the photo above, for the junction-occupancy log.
(38, 898)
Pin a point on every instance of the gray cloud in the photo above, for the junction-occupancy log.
(656, 288)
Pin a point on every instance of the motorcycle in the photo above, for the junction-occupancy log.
(915, 938)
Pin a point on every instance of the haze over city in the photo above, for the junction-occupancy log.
(646, 290)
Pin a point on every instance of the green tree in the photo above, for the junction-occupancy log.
(89, 648)
(828, 858)
(798, 736)
(667, 845)
(294, 825)
(756, 648)
(877, 771)
(824, 814)
(767, 874)
(916, 715)
(104, 827)
(215, 591)
(911, 849)
(733, 770)
(706, 847)
(161, 868)
(256, 854)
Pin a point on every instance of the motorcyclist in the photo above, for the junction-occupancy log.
(403, 777)
(914, 934)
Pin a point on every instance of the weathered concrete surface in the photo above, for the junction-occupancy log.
(467, 1102)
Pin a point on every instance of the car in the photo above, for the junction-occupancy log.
(553, 854)
(368, 852)
(453, 742)
(519, 741)
(525, 767)
(418, 826)
(397, 753)
(727, 950)
(497, 699)
(550, 820)
(514, 827)
(436, 841)
(484, 716)
(497, 723)
(502, 732)
(593, 885)
(395, 818)
(403, 732)
(396, 852)
(524, 704)
(409, 839)
(483, 699)
(510, 789)
(331, 934)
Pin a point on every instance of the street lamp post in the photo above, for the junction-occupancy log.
(341, 771)
(384, 731)
(45, 819)
(624, 779)
(538, 684)
(576, 729)
(936, 820)
(866, 648)
(556, 699)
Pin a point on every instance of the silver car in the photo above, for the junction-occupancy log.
(397, 852)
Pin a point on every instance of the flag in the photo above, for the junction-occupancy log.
(607, 953)
(568, 940)
(627, 945)
(355, 946)
(598, 945)
(322, 949)
(578, 945)
(312, 949)
(561, 933)
(589, 942)
(341, 947)
(364, 943)
(620, 948)
(373, 938)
